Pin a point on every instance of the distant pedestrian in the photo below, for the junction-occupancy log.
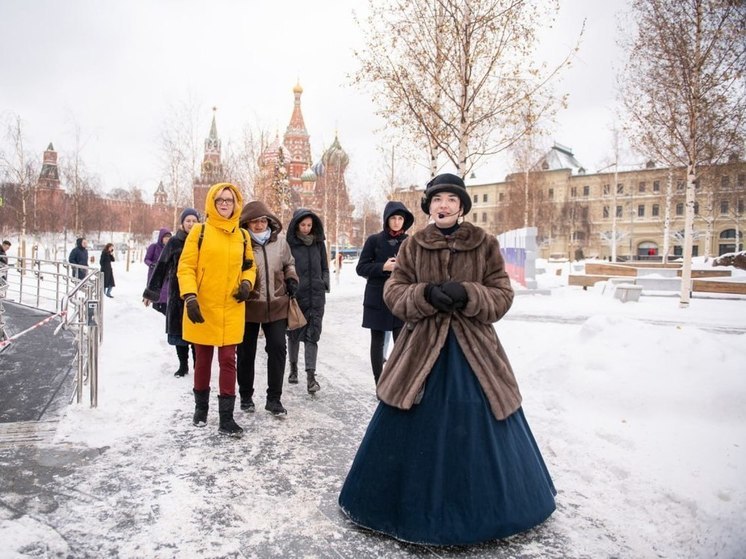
(107, 257)
(267, 307)
(216, 275)
(4, 248)
(79, 258)
(152, 254)
(377, 261)
(164, 279)
(307, 242)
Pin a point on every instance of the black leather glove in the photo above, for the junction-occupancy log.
(457, 292)
(437, 298)
(192, 306)
(291, 286)
(151, 295)
(244, 290)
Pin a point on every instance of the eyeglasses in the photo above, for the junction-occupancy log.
(223, 201)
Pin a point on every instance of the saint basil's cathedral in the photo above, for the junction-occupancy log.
(289, 179)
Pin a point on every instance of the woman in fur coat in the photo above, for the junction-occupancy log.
(448, 457)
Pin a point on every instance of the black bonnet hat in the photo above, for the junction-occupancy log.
(446, 182)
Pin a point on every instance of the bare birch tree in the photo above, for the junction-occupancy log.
(20, 171)
(452, 74)
(683, 89)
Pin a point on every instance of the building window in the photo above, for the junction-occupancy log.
(476, 198)
(586, 191)
(741, 182)
(573, 191)
(696, 208)
(656, 186)
(501, 197)
(620, 188)
(723, 207)
(551, 193)
(680, 185)
(484, 217)
(484, 197)
(619, 211)
(607, 190)
(641, 187)
(584, 212)
(641, 210)
(606, 212)
(740, 206)
(725, 182)
(474, 217)
(679, 209)
(578, 236)
(656, 210)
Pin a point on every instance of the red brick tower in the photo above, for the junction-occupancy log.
(212, 167)
(296, 140)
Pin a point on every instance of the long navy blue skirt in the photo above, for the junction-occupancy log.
(447, 472)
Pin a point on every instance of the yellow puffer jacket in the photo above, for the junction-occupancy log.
(214, 271)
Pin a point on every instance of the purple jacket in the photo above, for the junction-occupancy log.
(151, 259)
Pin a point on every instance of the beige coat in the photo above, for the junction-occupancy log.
(469, 256)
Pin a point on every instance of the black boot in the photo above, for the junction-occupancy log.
(313, 386)
(227, 425)
(182, 353)
(201, 405)
(293, 376)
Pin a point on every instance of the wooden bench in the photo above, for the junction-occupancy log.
(589, 280)
(714, 286)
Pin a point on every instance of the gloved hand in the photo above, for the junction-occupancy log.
(457, 292)
(244, 290)
(151, 295)
(291, 286)
(437, 298)
(193, 312)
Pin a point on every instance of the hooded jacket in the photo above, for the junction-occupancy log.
(213, 272)
(469, 256)
(274, 262)
(378, 248)
(152, 255)
(79, 256)
(312, 267)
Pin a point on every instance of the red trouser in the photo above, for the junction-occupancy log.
(226, 362)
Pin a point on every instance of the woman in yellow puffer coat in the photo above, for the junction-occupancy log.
(216, 275)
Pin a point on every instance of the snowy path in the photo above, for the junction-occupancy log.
(133, 478)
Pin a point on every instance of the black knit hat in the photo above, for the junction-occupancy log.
(446, 182)
(187, 212)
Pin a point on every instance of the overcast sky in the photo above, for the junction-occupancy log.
(116, 69)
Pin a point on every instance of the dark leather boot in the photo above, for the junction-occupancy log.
(227, 425)
(293, 376)
(182, 353)
(201, 405)
(312, 385)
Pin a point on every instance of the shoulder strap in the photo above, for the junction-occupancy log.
(201, 236)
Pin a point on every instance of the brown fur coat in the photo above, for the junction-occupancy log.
(472, 257)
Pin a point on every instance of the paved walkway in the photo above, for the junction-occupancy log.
(189, 492)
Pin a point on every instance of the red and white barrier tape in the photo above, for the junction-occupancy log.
(27, 330)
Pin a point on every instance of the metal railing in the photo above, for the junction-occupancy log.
(54, 286)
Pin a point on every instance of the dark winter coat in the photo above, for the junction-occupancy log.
(378, 248)
(79, 256)
(269, 300)
(312, 267)
(469, 256)
(164, 279)
(105, 262)
(152, 255)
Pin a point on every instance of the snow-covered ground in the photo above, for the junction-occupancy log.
(639, 409)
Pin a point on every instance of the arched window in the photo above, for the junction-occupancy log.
(647, 250)
(728, 241)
